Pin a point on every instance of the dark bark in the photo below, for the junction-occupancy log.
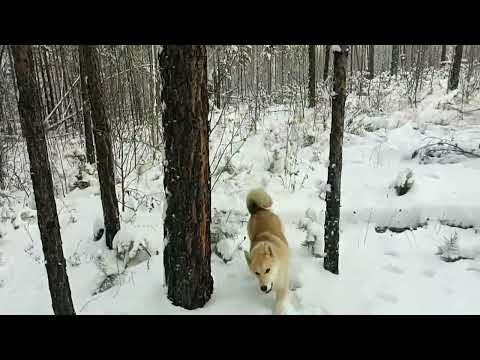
(311, 76)
(32, 126)
(51, 90)
(187, 175)
(371, 62)
(103, 143)
(327, 62)
(443, 56)
(86, 111)
(395, 58)
(332, 214)
(455, 71)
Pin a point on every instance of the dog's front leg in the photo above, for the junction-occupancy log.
(281, 301)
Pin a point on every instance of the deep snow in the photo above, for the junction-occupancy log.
(381, 272)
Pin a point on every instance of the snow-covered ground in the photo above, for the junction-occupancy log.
(381, 271)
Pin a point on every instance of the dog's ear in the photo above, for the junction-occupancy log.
(268, 250)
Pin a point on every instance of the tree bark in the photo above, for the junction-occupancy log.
(86, 111)
(311, 76)
(29, 108)
(103, 143)
(455, 71)
(332, 214)
(395, 58)
(187, 175)
(327, 62)
(443, 56)
(371, 62)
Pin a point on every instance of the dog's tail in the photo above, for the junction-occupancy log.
(258, 199)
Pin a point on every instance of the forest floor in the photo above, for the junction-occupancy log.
(384, 269)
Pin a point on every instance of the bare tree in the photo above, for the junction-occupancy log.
(103, 143)
(395, 58)
(327, 62)
(187, 175)
(371, 62)
(455, 70)
(311, 76)
(87, 116)
(29, 108)
(443, 56)
(332, 215)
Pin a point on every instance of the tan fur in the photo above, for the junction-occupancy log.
(268, 248)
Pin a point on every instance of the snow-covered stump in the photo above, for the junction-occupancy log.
(130, 249)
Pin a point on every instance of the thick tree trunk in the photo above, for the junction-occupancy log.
(87, 116)
(395, 58)
(103, 143)
(32, 125)
(311, 76)
(327, 62)
(371, 62)
(332, 214)
(187, 175)
(455, 71)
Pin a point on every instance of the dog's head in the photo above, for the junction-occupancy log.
(263, 263)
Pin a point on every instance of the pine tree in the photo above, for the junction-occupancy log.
(30, 111)
(332, 214)
(103, 143)
(187, 175)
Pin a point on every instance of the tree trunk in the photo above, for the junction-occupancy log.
(371, 62)
(103, 143)
(327, 62)
(311, 76)
(32, 125)
(216, 79)
(455, 71)
(87, 116)
(187, 175)
(395, 57)
(49, 84)
(443, 56)
(332, 214)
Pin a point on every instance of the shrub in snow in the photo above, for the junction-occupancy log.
(85, 171)
(322, 188)
(27, 215)
(111, 270)
(443, 152)
(403, 182)
(276, 162)
(308, 140)
(450, 250)
(314, 238)
(130, 249)
(226, 233)
(74, 260)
